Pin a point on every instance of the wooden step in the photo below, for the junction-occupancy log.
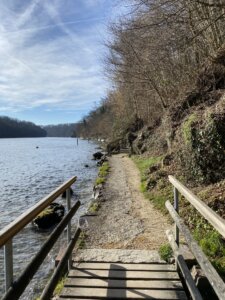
(105, 280)
(118, 266)
(108, 293)
(123, 274)
(115, 283)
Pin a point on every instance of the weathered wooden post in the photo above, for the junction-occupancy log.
(68, 199)
(8, 264)
(176, 207)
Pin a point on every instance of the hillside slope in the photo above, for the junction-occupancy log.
(189, 143)
(12, 128)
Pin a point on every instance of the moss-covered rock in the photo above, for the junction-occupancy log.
(202, 151)
(49, 217)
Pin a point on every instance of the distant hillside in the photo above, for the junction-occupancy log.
(60, 130)
(12, 128)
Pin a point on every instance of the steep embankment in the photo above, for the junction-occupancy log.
(189, 143)
(125, 220)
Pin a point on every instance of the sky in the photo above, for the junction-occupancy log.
(51, 58)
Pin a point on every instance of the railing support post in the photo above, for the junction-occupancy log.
(176, 207)
(8, 264)
(68, 199)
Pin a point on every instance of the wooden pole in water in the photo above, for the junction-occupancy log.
(77, 141)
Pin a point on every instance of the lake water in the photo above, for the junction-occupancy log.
(30, 169)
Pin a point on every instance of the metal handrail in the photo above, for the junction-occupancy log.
(213, 218)
(8, 232)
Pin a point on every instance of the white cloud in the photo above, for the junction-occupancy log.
(40, 65)
(94, 3)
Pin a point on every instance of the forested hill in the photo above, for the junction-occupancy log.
(60, 130)
(166, 61)
(11, 128)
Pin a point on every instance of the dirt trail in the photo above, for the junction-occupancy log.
(126, 220)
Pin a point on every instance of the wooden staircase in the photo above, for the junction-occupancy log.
(116, 280)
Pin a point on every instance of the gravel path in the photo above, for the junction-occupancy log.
(126, 220)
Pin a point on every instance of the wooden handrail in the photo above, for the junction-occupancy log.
(195, 294)
(213, 218)
(50, 287)
(210, 272)
(18, 287)
(8, 232)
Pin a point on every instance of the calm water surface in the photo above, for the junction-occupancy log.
(28, 174)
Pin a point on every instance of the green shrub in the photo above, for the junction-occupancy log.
(166, 252)
(212, 245)
(219, 264)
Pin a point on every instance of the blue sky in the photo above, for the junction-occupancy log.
(51, 53)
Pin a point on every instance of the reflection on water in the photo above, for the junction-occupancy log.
(28, 174)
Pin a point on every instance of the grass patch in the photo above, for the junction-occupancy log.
(100, 180)
(59, 286)
(210, 241)
(81, 240)
(159, 198)
(103, 170)
(45, 212)
(143, 187)
(213, 246)
(102, 173)
(165, 252)
(187, 128)
(162, 191)
(94, 207)
(156, 188)
(144, 164)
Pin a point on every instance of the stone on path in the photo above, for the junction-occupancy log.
(118, 255)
